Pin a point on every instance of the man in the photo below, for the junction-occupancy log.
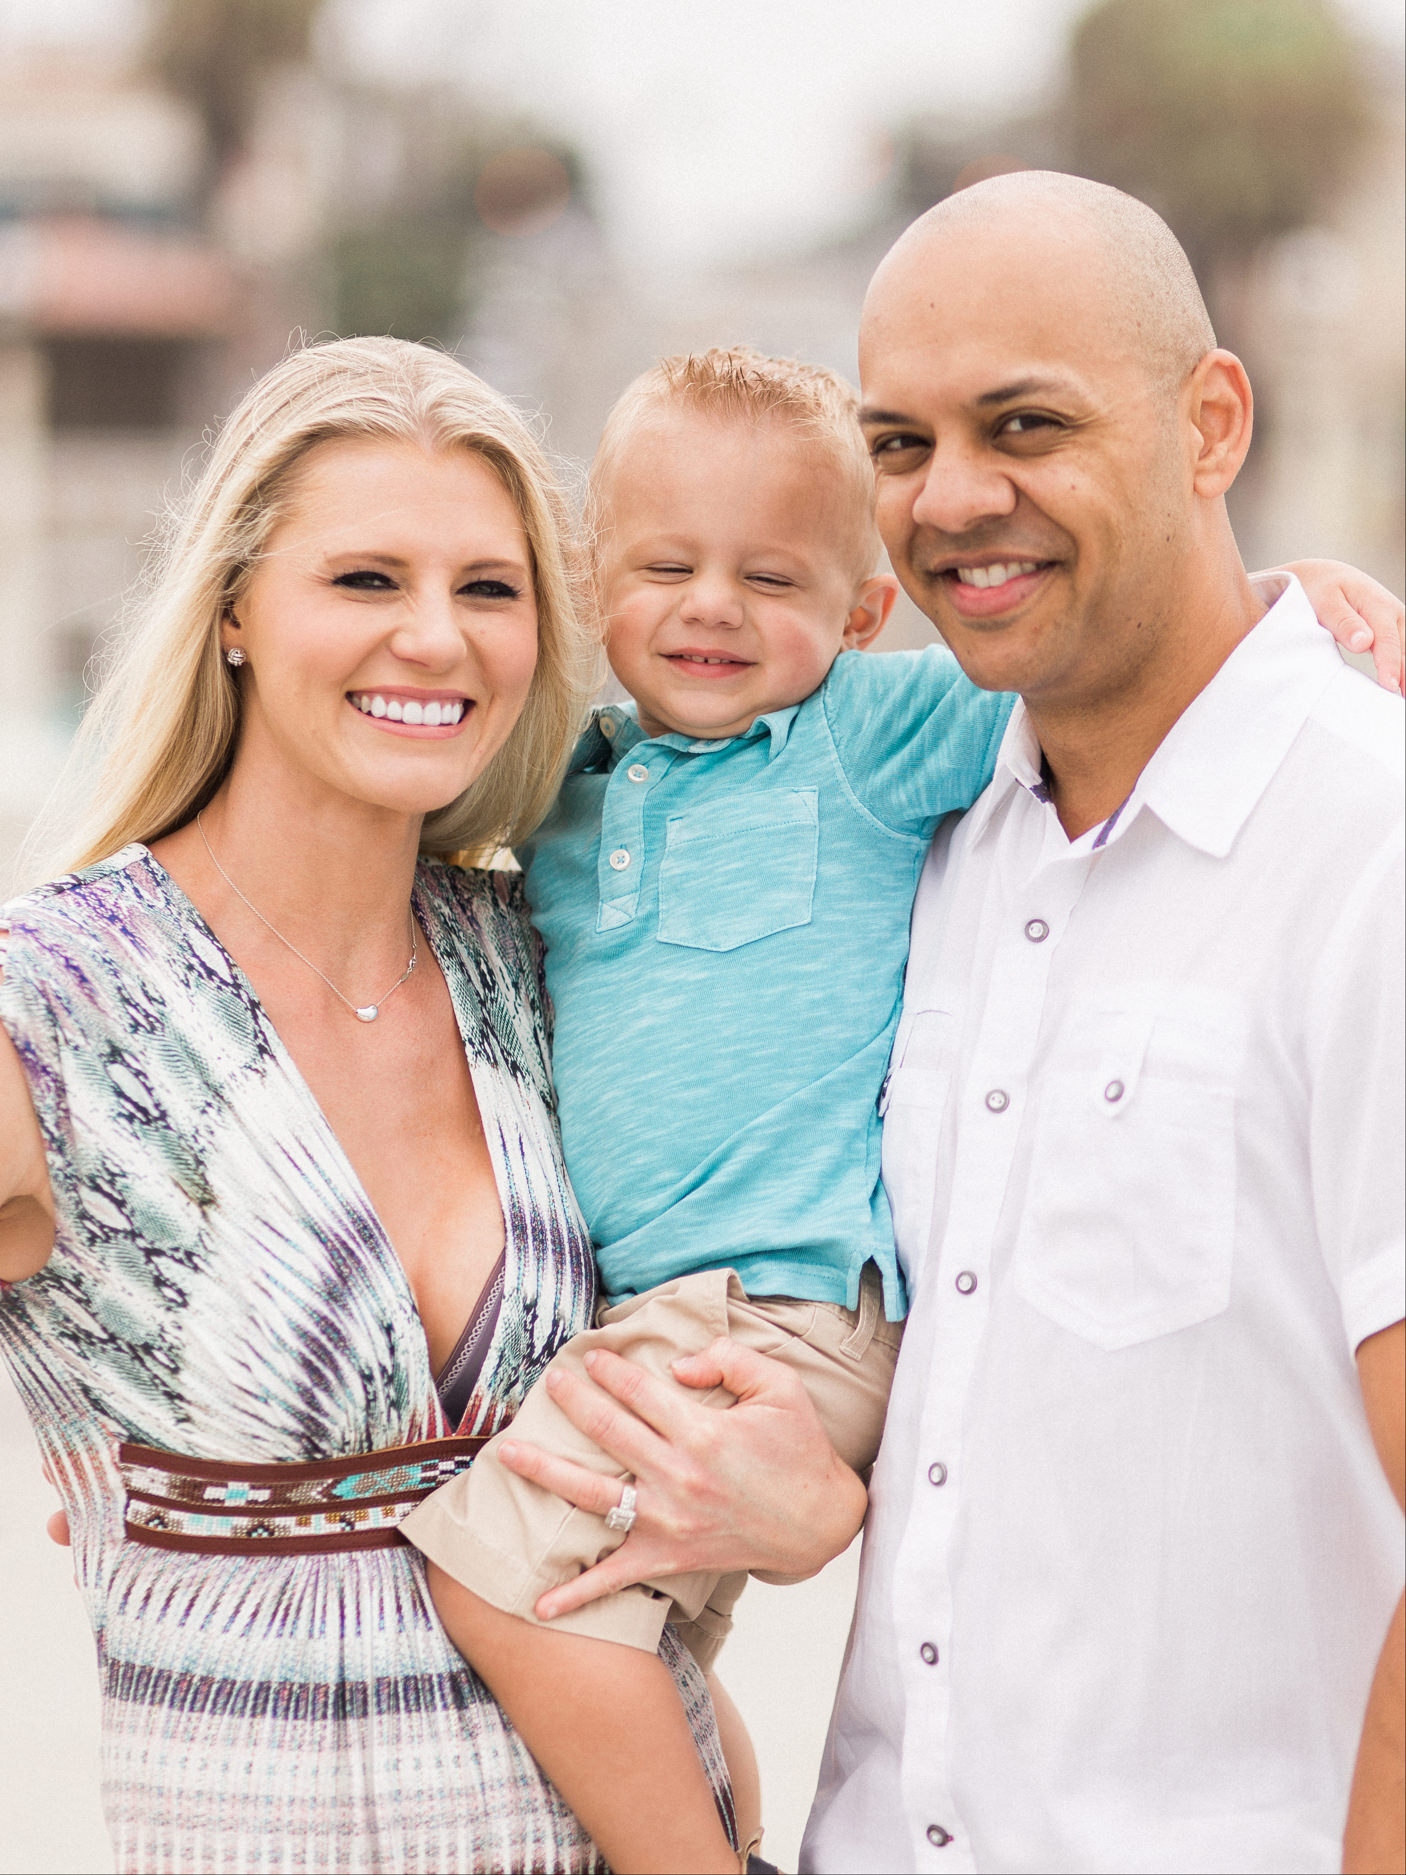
(1131, 1557)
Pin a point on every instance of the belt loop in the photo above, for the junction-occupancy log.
(871, 1295)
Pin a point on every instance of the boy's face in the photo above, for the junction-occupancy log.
(732, 570)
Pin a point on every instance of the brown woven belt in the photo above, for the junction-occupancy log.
(222, 1508)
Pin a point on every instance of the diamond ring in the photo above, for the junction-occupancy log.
(624, 1514)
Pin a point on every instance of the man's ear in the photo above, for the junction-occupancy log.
(869, 613)
(1221, 407)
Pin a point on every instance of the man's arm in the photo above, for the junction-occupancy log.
(759, 1487)
(1375, 1839)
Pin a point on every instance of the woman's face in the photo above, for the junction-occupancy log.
(390, 628)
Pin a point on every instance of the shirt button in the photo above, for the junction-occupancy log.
(998, 1100)
(619, 859)
(607, 725)
(937, 1474)
(1037, 930)
(938, 1836)
(637, 771)
(929, 1654)
(1114, 1091)
(966, 1282)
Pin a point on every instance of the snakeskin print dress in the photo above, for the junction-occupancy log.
(221, 1288)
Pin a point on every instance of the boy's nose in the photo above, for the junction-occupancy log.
(712, 602)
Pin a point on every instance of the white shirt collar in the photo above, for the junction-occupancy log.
(1219, 756)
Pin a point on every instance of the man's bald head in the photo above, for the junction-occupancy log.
(1120, 250)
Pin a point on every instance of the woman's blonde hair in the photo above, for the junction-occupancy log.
(159, 736)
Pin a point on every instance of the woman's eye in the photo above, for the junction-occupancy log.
(491, 589)
(365, 579)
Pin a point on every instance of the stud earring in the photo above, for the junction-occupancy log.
(235, 657)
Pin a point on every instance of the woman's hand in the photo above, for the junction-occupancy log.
(1361, 614)
(756, 1486)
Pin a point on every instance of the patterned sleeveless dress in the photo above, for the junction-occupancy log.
(221, 1288)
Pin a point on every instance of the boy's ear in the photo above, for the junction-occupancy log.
(869, 613)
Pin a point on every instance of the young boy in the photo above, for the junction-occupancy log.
(724, 890)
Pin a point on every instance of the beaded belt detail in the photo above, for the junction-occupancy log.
(224, 1508)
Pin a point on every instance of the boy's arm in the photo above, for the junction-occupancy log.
(915, 737)
(1361, 614)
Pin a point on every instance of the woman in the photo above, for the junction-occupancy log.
(282, 1205)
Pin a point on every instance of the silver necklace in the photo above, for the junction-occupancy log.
(366, 1012)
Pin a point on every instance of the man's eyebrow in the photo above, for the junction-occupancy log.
(1022, 387)
(869, 415)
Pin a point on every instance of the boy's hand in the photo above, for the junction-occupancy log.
(755, 1486)
(1361, 615)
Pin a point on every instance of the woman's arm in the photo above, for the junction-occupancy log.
(759, 1487)
(1361, 614)
(26, 1200)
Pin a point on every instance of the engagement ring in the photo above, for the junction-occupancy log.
(623, 1515)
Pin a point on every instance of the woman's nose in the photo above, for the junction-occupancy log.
(430, 632)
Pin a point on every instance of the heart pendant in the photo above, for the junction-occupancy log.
(368, 1014)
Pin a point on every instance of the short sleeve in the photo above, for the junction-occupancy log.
(1357, 1108)
(915, 737)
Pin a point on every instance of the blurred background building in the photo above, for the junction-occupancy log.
(559, 190)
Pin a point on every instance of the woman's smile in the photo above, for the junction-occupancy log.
(419, 713)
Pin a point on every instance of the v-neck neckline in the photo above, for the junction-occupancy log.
(358, 1198)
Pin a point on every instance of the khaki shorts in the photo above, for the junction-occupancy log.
(510, 1541)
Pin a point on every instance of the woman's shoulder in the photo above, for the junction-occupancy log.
(484, 912)
(56, 924)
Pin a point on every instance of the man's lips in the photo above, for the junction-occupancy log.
(991, 588)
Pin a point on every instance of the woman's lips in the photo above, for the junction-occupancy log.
(387, 710)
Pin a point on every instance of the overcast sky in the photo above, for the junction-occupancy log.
(712, 127)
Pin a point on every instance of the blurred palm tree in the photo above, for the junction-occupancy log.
(215, 53)
(1237, 120)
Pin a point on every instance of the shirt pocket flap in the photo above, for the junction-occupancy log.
(739, 869)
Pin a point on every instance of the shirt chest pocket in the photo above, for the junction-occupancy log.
(739, 869)
(1128, 1228)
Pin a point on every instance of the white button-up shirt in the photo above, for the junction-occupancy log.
(1131, 1556)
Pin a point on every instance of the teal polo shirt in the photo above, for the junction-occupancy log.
(726, 930)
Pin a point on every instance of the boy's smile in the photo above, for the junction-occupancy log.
(732, 569)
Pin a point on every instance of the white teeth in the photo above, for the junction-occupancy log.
(995, 575)
(430, 715)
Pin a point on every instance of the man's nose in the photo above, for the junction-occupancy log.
(712, 601)
(963, 487)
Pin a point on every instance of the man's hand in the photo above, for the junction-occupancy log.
(1361, 615)
(756, 1486)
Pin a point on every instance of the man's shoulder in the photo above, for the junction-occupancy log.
(1363, 725)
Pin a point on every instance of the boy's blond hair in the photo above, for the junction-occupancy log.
(735, 383)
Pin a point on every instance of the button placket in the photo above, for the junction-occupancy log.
(950, 1317)
(620, 868)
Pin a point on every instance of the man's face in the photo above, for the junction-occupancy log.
(1033, 481)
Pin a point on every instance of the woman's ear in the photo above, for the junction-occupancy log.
(869, 613)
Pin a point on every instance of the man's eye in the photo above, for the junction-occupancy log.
(365, 579)
(492, 589)
(1028, 423)
(900, 443)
